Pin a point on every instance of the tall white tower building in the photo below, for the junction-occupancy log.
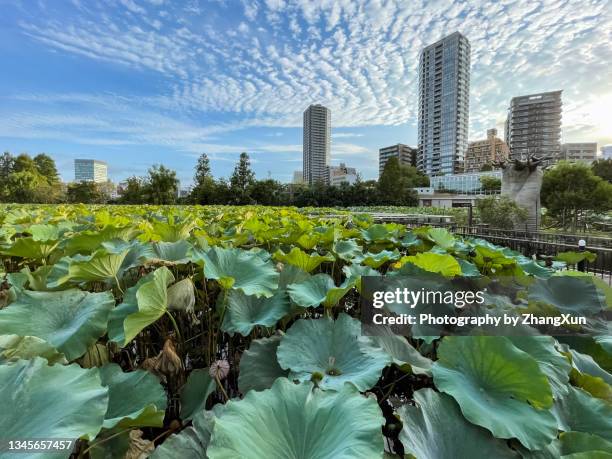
(317, 143)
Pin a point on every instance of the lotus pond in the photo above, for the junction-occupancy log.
(234, 332)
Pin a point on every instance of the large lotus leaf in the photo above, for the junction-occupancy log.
(401, 351)
(244, 312)
(498, 387)
(152, 300)
(306, 262)
(42, 401)
(129, 306)
(535, 269)
(378, 233)
(195, 392)
(347, 249)
(27, 247)
(176, 253)
(586, 364)
(295, 421)
(190, 443)
(135, 399)
(318, 289)
(259, 366)
(435, 428)
(354, 273)
(14, 347)
(441, 237)
(468, 269)
(569, 294)
(445, 264)
(44, 232)
(241, 270)
(172, 231)
(580, 412)
(599, 283)
(552, 363)
(86, 242)
(334, 350)
(70, 320)
(38, 279)
(582, 445)
(376, 260)
(101, 266)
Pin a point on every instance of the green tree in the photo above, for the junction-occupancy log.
(500, 212)
(202, 169)
(161, 186)
(133, 191)
(396, 183)
(241, 180)
(603, 168)
(205, 189)
(266, 192)
(488, 183)
(45, 165)
(571, 191)
(84, 193)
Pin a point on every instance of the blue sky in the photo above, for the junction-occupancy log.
(141, 82)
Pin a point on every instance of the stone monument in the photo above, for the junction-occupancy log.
(522, 181)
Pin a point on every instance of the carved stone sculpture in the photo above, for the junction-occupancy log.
(522, 181)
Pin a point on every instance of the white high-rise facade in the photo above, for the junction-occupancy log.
(444, 93)
(90, 170)
(317, 143)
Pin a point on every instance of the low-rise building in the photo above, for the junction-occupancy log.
(341, 174)
(585, 152)
(485, 152)
(406, 155)
(461, 183)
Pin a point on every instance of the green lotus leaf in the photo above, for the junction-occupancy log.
(335, 350)
(173, 230)
(347, 249)
(435, 428)
(102, 266)
(580, 412)
(195, 392)
(354, 273)
(377, 233)
(129, 306)
(27, 247)
(291, 275)
(595, 386)
(441, 237)
(176, 253)
(244, 312)
(376, 260)
(259, 366)
(152, 301)
(306, 262)
(38, 279)
(70, 320)
(14, 347)
(86, 242)
(572, 258)
(568, 294)
(135, 399)
(44, 232)
(316, 290)
(491, 259)
(241, 270)
(181, 296)
(191, 442)
(433, 262)
(308, 241)
(599, 283)
(401, 351)
(535, 269)
(296, 421)
(498, 387)
(58, 401)
(586, 364)
(552, 363)
(468, 269)
(575, 443)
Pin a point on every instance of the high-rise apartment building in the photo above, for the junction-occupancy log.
(533, 126)
(317, 143)
(298, 177)
(444, 93)
(585, 152)
(485, 152)
(406, 155)
(90, 170)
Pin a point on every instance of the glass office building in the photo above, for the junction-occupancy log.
(90, 170)
(461, 183)
(444, 92)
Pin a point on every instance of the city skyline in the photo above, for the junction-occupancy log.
(140, 82)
